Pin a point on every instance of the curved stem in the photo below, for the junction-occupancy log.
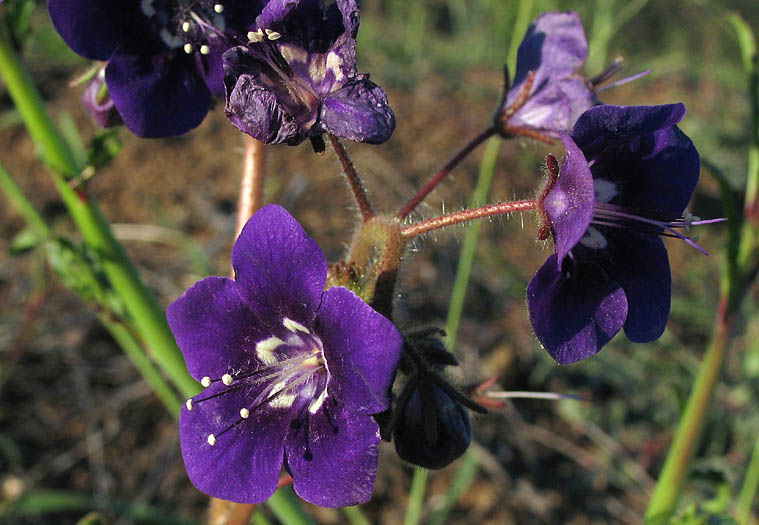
(444, 171)
(499, 208)
(359, 193)
(252, 182)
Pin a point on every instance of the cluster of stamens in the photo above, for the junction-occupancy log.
(283, 371)
(260, 35)
(192, 24)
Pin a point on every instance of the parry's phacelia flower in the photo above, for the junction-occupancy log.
(164, 56)
(553, 49)
(627, 176)
(293, 373)
(297, 77)
(98, 102)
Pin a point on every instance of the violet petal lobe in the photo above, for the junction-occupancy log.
(362, 349)
(95, 29)
(280, 269)
(574, 310)
(157, 95)
(244, 463)
(639, 264)
(358, 111)
(554, 46)
(332, 456)
(215, 327)
(570, 202)
(557, 106)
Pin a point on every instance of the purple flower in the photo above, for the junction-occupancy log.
(553, 49)
(627, 176)
(164, 56)
(297, 77)
(293, 373)
(99, 104)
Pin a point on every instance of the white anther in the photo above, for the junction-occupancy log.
(294, 326)
(226, 379)
(188, 48)
(211, 439)
(188, 404)
(204, 49)
(272, 35)
(218, 8)
(244, 413)
(186, 27)
(255, 36)
(206, 382)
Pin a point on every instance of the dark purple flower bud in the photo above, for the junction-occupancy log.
(432, 429)
(292, 373)
(297, 77)
(98, 103)
(548, 94)
(627, 176)
(164, 56)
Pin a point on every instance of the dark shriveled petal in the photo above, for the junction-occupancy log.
(574, 311)
(280, 270)
(333, 457)
(215, 328)
(244, 464)
(358, 111)
(157, 95)
(362, 349)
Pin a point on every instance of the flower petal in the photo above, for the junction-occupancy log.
(362, 349)
(359, 111)
(244, 463)
(157, 95)
(215, 328)
(281, 271)
(639, 263)
(570, 203)
(557, 106)
(554, 46)
(333, 457)
(95, 29)
(575, 310)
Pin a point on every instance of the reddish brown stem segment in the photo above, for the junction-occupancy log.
(252, 183)
(359, 193)
(444, 171)
(500, 208)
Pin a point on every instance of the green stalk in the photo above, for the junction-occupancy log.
(286, 508)
(749, 489)
(144, 311)
(118, 331)
(355, 516)
(416, 497)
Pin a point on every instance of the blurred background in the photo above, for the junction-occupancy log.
(80, 431)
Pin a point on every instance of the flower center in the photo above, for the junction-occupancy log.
(189, 25)
(289, 372)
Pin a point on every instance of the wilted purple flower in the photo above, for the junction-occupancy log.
(627, 176)
(164, 56)
(293, 373)
(98, 102)
(297, 77)
(553, 49)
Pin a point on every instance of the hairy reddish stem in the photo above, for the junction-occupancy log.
(359, 193)
(500, 208)
(444, 171)
(252, 183)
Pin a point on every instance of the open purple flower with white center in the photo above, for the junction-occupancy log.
(297, 77)
(553, 49)
(164, 56)
(292, 373)
(627, 176)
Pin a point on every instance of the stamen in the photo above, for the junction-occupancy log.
(256, 36)
(294, 326)
(211, 439)
(204, 49)
(226, 379)
(188, 48)
(188, 404)
(206, 381)
(244, 413)
(218, 8)
(272, 35)
(186, 27)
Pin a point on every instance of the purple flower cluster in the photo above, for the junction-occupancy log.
(292, 373)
